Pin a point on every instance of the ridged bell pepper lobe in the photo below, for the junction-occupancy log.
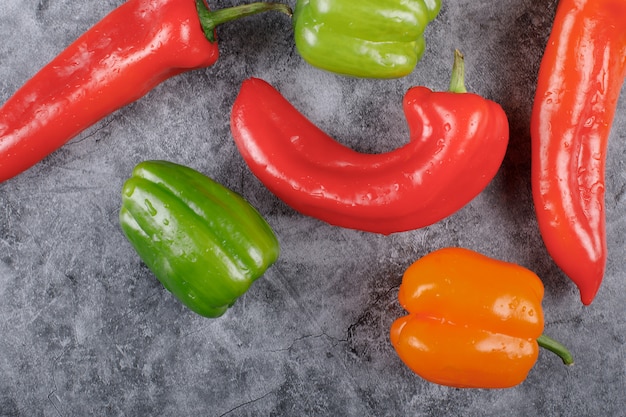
(363, 38)
(202, 241)
(472, 322)
(117, 61)
(580, 78)
(457, 144)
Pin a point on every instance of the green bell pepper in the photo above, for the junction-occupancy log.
(202, 241)
(363, 38)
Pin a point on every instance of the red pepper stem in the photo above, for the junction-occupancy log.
(457, 79)
(210, 19)
(556, 347)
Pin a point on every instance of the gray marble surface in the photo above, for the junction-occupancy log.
(85, 329)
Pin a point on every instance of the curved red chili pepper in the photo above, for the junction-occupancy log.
(579, 82)
(458, 142)
(120, 59)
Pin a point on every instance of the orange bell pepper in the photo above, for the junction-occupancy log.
(473, 322)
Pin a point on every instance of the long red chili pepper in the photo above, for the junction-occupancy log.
(121, 58)
(458, 141)
(579, 83)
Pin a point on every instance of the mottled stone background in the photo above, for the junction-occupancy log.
(85, 329)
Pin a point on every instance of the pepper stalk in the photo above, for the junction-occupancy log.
(210, 19)
(556, 348)
(457, 79)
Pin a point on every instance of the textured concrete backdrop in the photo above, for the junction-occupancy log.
(85, 329)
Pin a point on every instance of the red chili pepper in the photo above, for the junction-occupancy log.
(121, 58)
(580, 79)
(458, 142)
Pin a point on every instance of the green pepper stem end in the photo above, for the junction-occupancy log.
(210, 19)
(556, 347)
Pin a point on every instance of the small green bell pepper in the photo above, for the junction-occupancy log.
(363, 38)
(202, 241)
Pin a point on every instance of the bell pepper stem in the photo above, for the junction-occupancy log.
(210, 19)
(457, 79)
(556, 347)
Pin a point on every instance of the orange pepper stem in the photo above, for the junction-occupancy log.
(210, 19)
(457, 79)
(556, 347)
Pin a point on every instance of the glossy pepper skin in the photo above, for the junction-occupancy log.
(457, 144)
(120, 59)
(363, 38)
(202, 241)
(579, 82)
(473, 322)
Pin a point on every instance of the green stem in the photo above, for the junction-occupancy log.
(457, 80)
(556, 347)
(210, 19)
